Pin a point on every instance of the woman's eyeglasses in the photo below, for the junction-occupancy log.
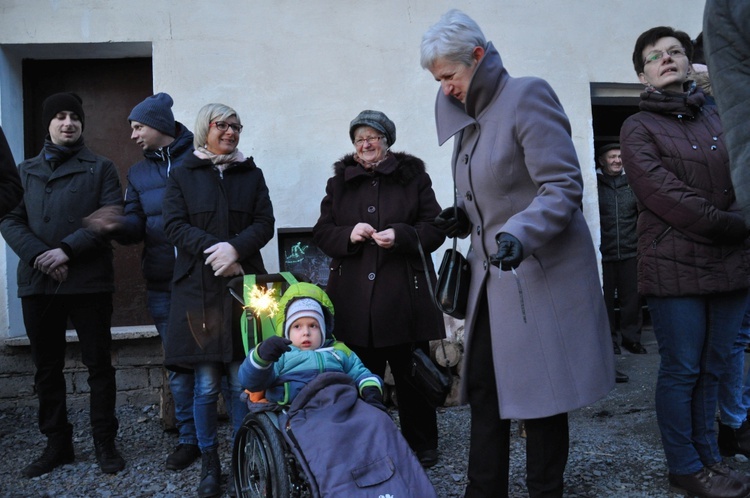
(223, 126)
(370, 140)
(656, 55)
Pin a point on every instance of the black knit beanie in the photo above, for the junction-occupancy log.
(156, 112)
(65, 101)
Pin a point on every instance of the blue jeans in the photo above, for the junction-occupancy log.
(695, 336)
(208, 385)
(181, 384)
(734, 389)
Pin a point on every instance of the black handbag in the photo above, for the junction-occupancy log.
(451, 292)
(452, 288)
(433, 381)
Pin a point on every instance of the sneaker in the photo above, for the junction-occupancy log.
(183, 456)
(58, 451)
(110, 460)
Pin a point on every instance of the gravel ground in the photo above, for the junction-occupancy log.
(614, 451)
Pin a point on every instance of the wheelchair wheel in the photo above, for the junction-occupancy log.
(258, 460)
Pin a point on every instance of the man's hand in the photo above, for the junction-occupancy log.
(48, 261)
(104, 220)
(509, 252)
(60, 274)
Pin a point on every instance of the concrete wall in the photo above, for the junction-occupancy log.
(298, 72)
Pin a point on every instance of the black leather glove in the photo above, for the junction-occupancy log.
(453, 223)
(509, 252)
(373, 396)
(272, 348)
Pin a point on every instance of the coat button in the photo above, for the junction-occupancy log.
(374, 183)
(713, 147)
(46, 219)
(370, 209)
(468, 196)
(48, 190)
(371, 276)
(479, 230)
(695, 147)
(466, 158)
(484, 264)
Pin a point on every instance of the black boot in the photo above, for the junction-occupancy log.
(110, 460)
(210, 474)
(59, 451)
(734, 441)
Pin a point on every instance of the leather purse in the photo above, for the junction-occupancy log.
(452, 287)
(432, 381)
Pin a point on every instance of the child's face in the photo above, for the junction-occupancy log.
(305, 333)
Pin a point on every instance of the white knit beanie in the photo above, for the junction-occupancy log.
(305, 307)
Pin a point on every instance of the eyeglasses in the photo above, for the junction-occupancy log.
(223, 126)
(656, 55)
(370, 140)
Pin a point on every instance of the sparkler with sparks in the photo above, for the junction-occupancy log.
(263, 300)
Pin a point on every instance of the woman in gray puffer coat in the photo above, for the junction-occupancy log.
(692, 259)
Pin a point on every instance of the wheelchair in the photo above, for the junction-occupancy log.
(263, 465)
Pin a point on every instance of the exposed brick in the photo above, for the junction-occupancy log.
(132, 378)
(16, 385)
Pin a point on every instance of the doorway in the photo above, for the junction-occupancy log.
(110, 88)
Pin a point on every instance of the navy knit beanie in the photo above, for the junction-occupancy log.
(66, 101)
(156, 112)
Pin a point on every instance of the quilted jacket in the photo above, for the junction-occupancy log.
(725, 25)
(690, 231)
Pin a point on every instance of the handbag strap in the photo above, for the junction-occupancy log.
(429, 285)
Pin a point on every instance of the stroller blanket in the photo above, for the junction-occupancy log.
(348, 447)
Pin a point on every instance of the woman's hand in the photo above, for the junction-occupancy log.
(221, 257)
(361, 232)
(385, 239)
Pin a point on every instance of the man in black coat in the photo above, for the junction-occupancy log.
(66, 273)
(618, 214)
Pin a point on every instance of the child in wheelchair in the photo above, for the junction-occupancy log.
(283, 365)
(335, 421)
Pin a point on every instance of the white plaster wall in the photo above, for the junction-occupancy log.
(298, 71)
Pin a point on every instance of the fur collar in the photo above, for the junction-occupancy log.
(399, 168)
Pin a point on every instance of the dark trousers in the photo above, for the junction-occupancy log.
(489, 453)
(622, 277)
(418, 419)
(46, 317)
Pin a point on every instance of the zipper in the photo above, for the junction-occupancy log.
(660, 237)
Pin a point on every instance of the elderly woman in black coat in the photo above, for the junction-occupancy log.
(378, 206)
